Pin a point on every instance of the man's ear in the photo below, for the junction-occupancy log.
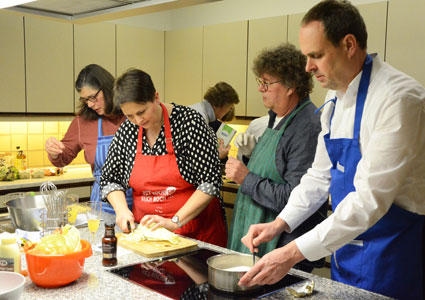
(349, 42)
(290, 91)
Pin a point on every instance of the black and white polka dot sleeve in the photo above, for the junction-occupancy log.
(196, 150)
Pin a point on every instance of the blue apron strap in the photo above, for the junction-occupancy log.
(99, 127)
(333, 100)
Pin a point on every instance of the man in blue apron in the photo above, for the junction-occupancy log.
(370, 158)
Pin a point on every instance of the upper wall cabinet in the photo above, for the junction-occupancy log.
(94, 44)
(263, 33)
(49, 66)
(183, 66)
(225, 56)
(12, 63)
(142, 49)
(375, 17)
(405, 41)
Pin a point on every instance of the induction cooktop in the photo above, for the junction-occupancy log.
(185, 276)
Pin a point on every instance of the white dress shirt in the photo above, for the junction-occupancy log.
(391, 170)
(257, 128)
(206, 110)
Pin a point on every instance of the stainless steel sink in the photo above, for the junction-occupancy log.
(6, 224)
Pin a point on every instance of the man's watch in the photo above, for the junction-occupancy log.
(175, 219)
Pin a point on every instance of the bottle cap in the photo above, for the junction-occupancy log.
(110, 224)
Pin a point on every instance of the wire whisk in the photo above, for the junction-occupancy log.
(48, 190)
(55, 214)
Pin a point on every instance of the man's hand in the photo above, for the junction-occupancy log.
(245, 143)
(263, 232)
(273, 266)
(236, 170)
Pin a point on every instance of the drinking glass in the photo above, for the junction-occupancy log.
(93, 213)
(73, 208)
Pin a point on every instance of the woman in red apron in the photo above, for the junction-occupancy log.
(173, 167)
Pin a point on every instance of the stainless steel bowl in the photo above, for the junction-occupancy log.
(26, 212)
(224, 280)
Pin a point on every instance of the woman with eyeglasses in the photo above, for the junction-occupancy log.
(168, 155)
(92, 129)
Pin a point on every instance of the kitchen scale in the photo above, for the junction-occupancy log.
(185, 276)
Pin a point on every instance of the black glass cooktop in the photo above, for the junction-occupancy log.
(186, 277)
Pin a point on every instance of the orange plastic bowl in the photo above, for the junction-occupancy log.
(52, 271)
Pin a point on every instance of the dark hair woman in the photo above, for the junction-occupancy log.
(93, 127)
(168, 155)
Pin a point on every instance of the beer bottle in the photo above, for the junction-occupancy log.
(109, 246)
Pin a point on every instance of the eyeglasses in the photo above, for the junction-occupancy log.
(265, 84)
(92, 98)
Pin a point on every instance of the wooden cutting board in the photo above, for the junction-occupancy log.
(156, 249)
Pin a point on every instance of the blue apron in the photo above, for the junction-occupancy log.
(103, 142)
(387, 258)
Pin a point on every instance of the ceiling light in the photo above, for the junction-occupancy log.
(9, 3)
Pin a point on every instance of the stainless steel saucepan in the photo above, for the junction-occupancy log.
(225, 271)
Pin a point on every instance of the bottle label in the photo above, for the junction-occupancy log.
(109, 255)
(109, 250)
(7, 264)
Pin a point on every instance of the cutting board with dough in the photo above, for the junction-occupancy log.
(156, 249)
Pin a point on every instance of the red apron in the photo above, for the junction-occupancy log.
(159, 189)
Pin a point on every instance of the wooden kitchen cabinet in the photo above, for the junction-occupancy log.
(405, 37)
(183, 66)
(263, 33)
(49, 66)
(94, 44)
(142, 49)
(225, 58)
(12, 64)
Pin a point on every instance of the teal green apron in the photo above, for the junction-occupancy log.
(247, 211)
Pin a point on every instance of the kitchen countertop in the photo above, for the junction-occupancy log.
(73, 176)
(97, 283)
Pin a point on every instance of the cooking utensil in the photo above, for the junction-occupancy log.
(129, 227)
(48, 190)
(26, 212)
(225, 271)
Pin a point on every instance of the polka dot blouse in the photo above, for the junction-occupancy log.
(195, 146)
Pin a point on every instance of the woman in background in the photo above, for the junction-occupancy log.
(93, 127)
(218, 101)
(168, 155)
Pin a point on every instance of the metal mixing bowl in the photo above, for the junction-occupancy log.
(26, 212)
